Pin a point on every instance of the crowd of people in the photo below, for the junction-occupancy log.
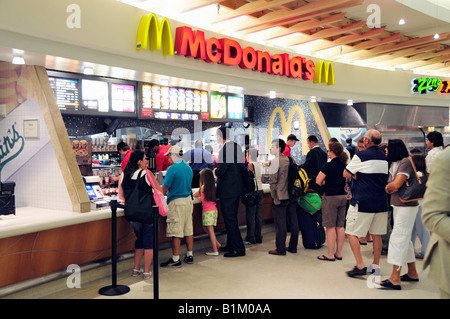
(358, 187)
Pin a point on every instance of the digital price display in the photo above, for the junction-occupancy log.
(218, 106)
(66, 93)
(235, 107)
(122, 98)
(95, 95)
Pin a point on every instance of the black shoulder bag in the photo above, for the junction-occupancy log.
(139, 205)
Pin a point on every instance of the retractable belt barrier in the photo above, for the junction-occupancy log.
(114, 289)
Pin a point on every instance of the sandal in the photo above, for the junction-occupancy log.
(136, 272)
(323, 257)
(147, 275)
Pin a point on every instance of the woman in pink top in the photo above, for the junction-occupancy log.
(207, 192)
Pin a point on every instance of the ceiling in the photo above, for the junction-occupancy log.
(361, 32)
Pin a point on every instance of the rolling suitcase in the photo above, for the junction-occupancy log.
(313, 233)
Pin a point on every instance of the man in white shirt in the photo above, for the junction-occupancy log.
(435, 143)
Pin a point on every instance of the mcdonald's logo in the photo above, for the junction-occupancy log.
(324, 73)
(287, 124)
(158, 33)
(154, 34)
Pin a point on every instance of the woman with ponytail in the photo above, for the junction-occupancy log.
(334, 200)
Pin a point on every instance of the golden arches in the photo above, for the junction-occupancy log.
(159, 34)
(287, 125)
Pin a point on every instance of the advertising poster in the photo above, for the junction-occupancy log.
(95, 95)
(122, 97)
(218, 106)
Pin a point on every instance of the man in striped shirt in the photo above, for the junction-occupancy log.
(369, 204)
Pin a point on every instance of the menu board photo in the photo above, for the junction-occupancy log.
(218, 106)
(66, 93)
(235, 107)
(122, 98)
(95, 95)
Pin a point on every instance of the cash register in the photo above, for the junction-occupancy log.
(95, 193)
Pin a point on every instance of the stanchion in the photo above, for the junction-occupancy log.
(155, 253)
(114, 289)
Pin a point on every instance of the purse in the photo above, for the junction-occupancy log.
(414, 188)
(159, 198)
(138, 205)
(310, 202)
(251, 198)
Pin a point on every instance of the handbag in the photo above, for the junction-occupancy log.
(414, 188)
(159, 198)
(310, 202)
(251, 198)
(138, 205)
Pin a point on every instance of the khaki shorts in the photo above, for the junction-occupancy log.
(358, 224)
(179, 218)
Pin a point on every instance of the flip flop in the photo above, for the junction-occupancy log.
(323, 257)
(338, 258)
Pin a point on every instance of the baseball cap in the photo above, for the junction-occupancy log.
(292, 137)
(174, 150)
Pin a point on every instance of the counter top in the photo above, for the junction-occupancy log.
(31, 219)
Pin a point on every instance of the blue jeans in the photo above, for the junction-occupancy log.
(420, 230)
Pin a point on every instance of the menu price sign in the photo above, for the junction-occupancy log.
(66, 93)
(218, 106)
(95, 95)
(122, 98)
(235, 108)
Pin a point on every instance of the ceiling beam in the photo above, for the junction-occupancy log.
(249, 8)
(326, 33)
(196, 4)
(404, 53)
(419, 64)
(302, 26)
(304, 12)
(348, 39)
(428, 54)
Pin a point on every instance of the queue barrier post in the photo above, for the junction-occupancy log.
(155, 252)
(114, 289)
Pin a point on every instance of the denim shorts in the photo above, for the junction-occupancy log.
(144, 235)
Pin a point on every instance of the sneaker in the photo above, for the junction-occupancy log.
(357, 272)
(212, 253)
(171, 264)
(189, 259)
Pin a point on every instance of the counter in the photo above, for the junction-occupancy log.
(36, 242)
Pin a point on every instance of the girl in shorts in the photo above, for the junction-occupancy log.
(207, 192)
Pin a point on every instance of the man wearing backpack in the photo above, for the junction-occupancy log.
(279, 171)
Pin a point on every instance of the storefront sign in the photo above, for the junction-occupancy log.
(10, 146)
(156, 35)
(428, 85)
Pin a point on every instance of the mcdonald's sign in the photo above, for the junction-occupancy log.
(159, 34)
(324, 73)
(156, 35)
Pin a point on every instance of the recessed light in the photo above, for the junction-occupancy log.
(18, 60)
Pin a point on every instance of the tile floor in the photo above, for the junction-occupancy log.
(258, 275)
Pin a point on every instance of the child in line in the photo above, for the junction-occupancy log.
(207, 192)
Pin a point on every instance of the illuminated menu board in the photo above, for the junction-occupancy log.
(122, 97)
(235, 107)
(218, 106)
(95, 95)
(66, 93)
(173, 103)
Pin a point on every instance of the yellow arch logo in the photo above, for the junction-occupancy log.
(158, 32)
(324, 73)
(286, 125)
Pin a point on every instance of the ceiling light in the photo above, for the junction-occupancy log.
(313, 99)
(402, 21)
(18, 60)
(436, 36)
(273, 94)
(222, 89)
(165, 82)
(88, 70)
(349, 102)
